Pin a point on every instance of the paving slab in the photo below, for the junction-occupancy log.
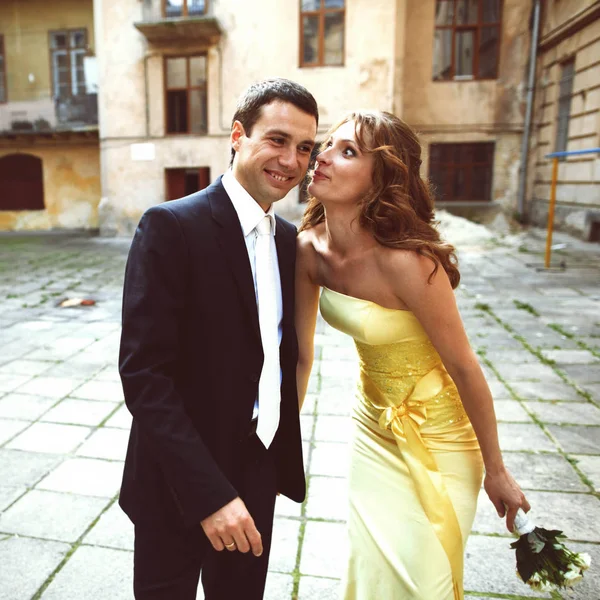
(511, 411)
(86, 476)
(324, 549)
(330, 459)
(113, 530)
(524, 436)
(79, 412)
(24, 406)
(50, 438)
(571, 413)
(286, 533)
(9, 428)
(482, 552)
(26, 564)
(51, 515)
(94, 573)
(9, 494)
(25, 468)
(106, 442)
(590, 467)
(544, 471)
(328, 498)
(319, 588)
(576, 439)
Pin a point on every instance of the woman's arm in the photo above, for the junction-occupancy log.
(307, 302)
(434, 305)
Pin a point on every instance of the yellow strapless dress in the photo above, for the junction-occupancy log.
(415, 467)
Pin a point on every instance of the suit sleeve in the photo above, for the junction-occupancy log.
(153, 309)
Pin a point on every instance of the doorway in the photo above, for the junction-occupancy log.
(183, 182)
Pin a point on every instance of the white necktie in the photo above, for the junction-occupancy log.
(269, 393)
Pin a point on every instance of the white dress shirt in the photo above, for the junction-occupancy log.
(250, 214)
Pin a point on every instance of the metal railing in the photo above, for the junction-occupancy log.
(45, 113)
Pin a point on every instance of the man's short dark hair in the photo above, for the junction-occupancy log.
(261, 93)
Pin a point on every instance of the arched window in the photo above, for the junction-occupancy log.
(21, 182)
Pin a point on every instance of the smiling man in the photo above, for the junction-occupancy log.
(208, 362)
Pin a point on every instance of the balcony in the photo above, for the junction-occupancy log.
(168, 22)
(47, 115)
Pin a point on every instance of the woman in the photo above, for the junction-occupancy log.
(424, 416)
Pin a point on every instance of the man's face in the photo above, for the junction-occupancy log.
(274, 157)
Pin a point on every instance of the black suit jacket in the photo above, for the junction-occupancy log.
(191, 357)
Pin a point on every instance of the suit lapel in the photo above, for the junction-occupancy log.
(231, 240)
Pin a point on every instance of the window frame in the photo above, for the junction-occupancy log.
(476, 28)
(71, 53)
(4, 99)
(184, 10)
(457, 166)
(563, 119)
(187, 89)
(320, 12)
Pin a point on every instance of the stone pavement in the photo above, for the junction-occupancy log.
(63, 425)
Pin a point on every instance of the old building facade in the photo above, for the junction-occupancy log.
(567, 116)
(165, 76)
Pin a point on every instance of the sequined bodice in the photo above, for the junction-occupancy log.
(399, 365)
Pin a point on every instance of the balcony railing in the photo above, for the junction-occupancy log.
(48, 114)
(171, 21)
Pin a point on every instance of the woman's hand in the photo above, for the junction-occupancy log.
(506, 495)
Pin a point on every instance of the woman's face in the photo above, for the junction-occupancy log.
(343, 174)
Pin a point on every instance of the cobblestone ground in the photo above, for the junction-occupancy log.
(63, 425)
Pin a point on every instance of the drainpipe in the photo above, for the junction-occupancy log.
(528, 111)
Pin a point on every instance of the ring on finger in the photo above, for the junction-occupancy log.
(230, 546)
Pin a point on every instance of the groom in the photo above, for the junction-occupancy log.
(208, 361)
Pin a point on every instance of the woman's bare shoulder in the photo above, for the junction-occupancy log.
(405, 266)
(307, 240)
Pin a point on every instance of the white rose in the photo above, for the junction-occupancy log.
(572, 576)
(584, 560)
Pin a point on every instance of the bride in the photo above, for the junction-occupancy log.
(424, 422)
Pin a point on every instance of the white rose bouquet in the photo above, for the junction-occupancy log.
(543, 562)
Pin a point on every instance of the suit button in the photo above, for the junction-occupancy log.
(254, 377)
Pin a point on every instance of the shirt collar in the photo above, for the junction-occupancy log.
(248, 210)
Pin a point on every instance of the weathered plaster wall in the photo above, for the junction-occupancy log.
(71, 188)
(470, 111)
(493, 104)
(25, 25)
(260, 40)
(578, 189)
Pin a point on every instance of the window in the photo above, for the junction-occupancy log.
(466, 43)
(184, 8)
(183, 182)
(564, 105)
(2, 72)
(21, 182)
(321, 33)
(462, 172)
(67, 49)
(186, 95)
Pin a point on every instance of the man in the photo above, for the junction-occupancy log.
(208, 360)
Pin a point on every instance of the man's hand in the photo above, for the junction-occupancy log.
(233, 528)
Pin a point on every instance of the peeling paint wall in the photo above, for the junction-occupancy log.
(71, 188)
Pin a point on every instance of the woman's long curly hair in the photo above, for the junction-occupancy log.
(398, 210)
